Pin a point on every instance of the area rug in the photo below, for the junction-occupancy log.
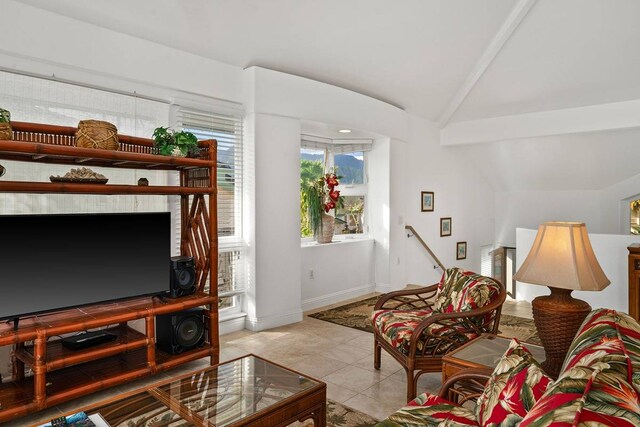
(357, 315)
(342, 416)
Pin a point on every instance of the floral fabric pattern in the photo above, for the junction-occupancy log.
(461, 290)
(596, 383)
(458, 291)
(428, 410)
(514, 388)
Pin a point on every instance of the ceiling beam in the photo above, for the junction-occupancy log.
(505, 32)
(594, 118)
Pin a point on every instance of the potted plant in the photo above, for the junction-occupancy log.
(320, 197)
(5, 124)
(169, 142)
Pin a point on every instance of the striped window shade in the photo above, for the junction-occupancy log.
(227, 130)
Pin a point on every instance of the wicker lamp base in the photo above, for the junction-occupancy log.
(558, 317)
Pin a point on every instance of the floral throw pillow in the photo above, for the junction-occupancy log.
(514, 387)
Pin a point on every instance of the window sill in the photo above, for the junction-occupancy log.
(341, 241)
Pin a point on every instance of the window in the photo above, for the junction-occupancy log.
(635, 216)
(40, 100)
(227, 130)
(318, 155)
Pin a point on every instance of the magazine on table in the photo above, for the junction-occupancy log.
(78, 420)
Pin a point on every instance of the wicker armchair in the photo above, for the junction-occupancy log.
(418, 326)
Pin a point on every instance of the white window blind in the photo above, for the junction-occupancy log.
(336, 146)
(227, 130)
(40, 100)
(486, 260)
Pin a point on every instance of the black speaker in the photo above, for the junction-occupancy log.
(183, 276)
(180, 331)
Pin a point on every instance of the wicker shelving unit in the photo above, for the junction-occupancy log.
(60, 375)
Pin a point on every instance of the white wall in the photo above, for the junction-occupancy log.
(460, 193)
(529, 209)
(274, 296)
(81, 52)
(341, 270)
(611, 252)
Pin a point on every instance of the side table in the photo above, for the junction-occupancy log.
(482, 352)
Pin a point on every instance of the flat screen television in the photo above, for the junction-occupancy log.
(53, 262)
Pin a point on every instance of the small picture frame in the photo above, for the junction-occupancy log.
(461, 250)
(427, 201)
(445, 227)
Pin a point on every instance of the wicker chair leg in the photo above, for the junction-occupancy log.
(411, 385)
(377, 354)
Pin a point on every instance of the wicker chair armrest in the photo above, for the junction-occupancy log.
(495, 305)
(465, 385)
(400, 300)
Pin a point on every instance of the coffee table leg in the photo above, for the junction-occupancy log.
(320, 416)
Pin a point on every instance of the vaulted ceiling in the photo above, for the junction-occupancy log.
(450, 61)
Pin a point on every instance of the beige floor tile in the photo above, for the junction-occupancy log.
(390, 390)
(346, 353)
(376, 408)
(338, 393)
(316, 366)
(354, 378)
(388, 365)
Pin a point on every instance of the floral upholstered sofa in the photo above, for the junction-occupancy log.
(599, 385)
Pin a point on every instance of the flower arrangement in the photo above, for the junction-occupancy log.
(320, 196)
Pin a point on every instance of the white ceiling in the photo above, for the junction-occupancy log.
(568, 53)
(413, 54)
(418, 54)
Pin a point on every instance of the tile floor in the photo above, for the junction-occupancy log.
(340, 356)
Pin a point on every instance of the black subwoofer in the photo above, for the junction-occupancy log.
(181, 331)
(183, 276)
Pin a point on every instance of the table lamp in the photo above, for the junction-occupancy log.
(562, 259)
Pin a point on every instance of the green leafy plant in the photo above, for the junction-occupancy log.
(320, 196)
(172, 143)
(5, 116)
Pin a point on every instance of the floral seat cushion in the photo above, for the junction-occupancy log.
(458, 291)
(397, 326)
(514, 388)
(428, 410)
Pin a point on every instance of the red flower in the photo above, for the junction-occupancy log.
(332, 180)
(334, 194)
(329, 205)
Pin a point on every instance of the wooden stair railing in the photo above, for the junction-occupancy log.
(413, 232)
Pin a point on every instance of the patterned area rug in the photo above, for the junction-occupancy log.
(358, 314)
(343, 416)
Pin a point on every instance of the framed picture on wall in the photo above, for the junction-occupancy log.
(461, 250)
(427, 201)
(445, 227)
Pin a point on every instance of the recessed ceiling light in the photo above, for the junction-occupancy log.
(345, 131)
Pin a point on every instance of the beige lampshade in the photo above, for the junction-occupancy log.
(562, 257)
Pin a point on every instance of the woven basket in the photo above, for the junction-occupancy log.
(5, 131)
(97, 134)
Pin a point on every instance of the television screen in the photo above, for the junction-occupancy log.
(51, 262)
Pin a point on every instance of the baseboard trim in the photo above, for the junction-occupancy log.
(232, 325)
(335, 297)
(272, 321)
(387, 287)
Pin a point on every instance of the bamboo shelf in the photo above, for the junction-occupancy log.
(59, 374)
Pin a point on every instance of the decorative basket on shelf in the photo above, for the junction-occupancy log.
(5, 124)
(97, 134)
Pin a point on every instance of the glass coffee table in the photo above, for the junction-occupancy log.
(245, 391)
